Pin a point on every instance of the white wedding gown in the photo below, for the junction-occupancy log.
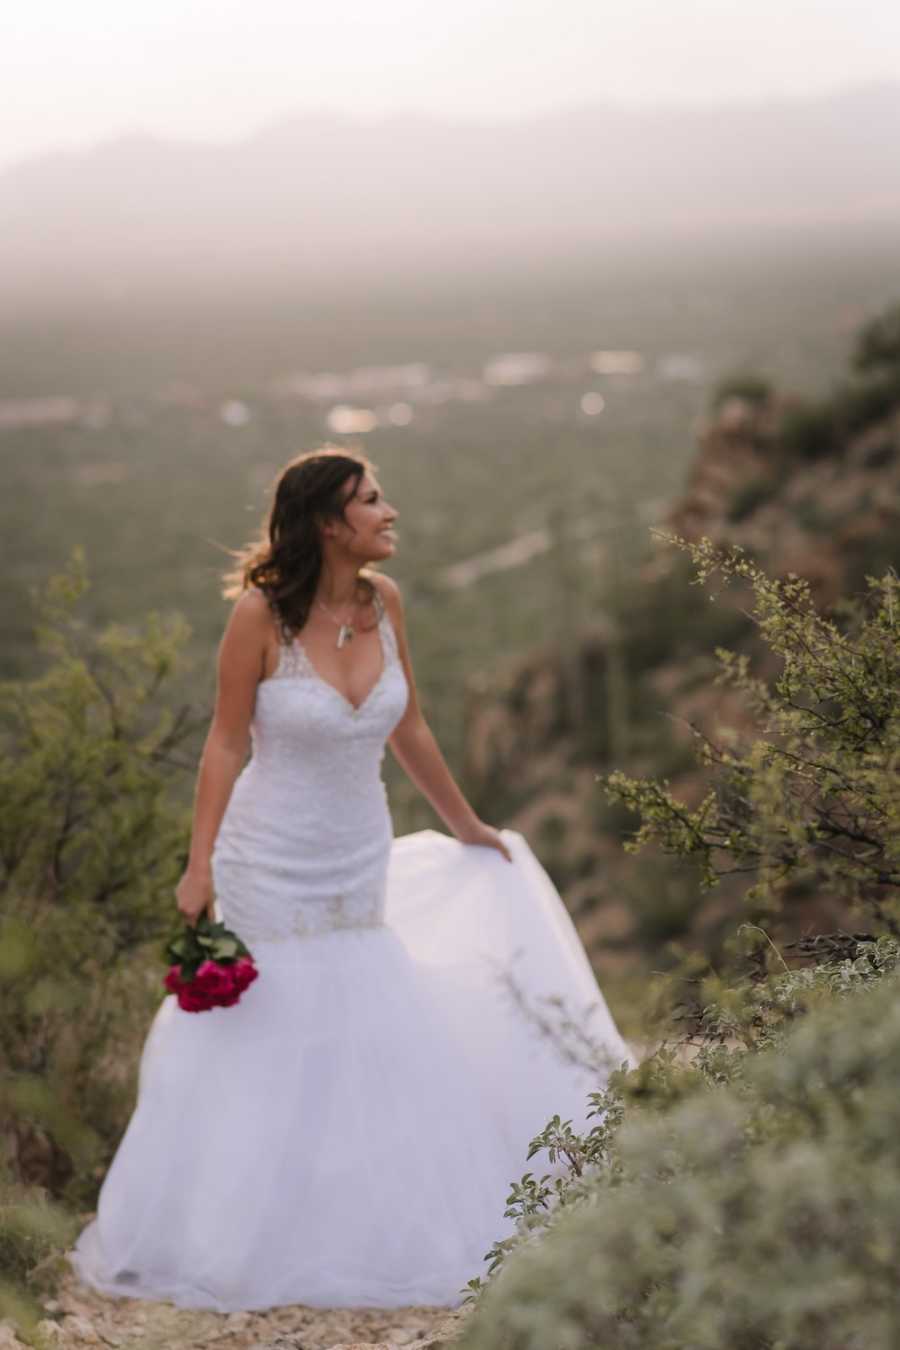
(347, 1133)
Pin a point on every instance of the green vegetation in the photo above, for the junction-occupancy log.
(159, 490)
(755, 1140)
(751, 497)
(817, 430)
(813, 799)
(878, 347)
(741, 1186)
(750, 1198)
(744, 385)
(91, 846)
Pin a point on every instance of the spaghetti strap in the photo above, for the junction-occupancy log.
(387, 630)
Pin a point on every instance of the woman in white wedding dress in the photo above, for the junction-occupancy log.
(346, 1134)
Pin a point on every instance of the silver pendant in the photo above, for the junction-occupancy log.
(345, 633)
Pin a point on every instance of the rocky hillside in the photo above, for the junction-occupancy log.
(829, 518)
(810, 488)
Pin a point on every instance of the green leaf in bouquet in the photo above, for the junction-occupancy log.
(224, 944)
(183, 947)
(205, 940)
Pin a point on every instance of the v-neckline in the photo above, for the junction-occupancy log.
(354, 707)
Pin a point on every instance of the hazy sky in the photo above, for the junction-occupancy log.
(76, 71)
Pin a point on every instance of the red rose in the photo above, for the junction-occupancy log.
(192, 1000)
(243, 973)
(213, 980)
(173, 979)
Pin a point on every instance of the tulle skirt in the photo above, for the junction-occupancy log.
(346, 1135)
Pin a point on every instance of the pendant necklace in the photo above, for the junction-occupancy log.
(345, 630)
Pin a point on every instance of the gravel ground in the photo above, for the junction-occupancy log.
(77, 1317)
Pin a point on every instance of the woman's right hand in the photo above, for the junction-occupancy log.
(195, 894)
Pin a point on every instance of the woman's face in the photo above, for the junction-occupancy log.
(367, 534)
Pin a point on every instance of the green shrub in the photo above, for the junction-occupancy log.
(812, 431)
(91, 847)
(751, 497)
(813, 798)
(822, 429)
(810, 515)
(809, 431)
(750, 1200)
(34, 1233)
(741, 1186)
(856, 407)
(878, 343)
(745, 385)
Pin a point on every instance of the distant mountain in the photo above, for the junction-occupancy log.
(321, 194)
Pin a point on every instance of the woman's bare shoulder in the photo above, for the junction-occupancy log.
(389, 591)
(386, 586)
(252, 604)
(252, 612)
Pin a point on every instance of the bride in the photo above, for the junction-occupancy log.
(346, 1134)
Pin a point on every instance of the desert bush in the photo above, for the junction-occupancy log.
(747, 386)
(821, 429)
(91, 846)
(856, 407)
(812, 798)
(739, 1187)
(808, 431)
(751, 497)
(878, 344)
(34, 1232)
(760, 1212)
(824, 430)
(735, 1018)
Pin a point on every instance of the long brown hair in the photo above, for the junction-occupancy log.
(285, 561)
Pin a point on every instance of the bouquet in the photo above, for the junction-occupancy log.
(210, 967)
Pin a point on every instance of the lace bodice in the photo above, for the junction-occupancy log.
(294, 662)
(304, 841)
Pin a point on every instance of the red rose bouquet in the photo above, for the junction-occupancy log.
(210, 966)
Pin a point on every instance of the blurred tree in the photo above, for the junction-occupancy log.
(878, 344)
(91, 847)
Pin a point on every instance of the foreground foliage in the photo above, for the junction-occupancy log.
(812, 798)
(740, 1187)
(749, 1200)
(91, 846)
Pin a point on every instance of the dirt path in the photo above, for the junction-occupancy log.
(78, 1318)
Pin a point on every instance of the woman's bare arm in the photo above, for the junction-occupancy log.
(416, 750)
(241, 661)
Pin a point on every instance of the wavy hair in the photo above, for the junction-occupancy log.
(285, 561)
